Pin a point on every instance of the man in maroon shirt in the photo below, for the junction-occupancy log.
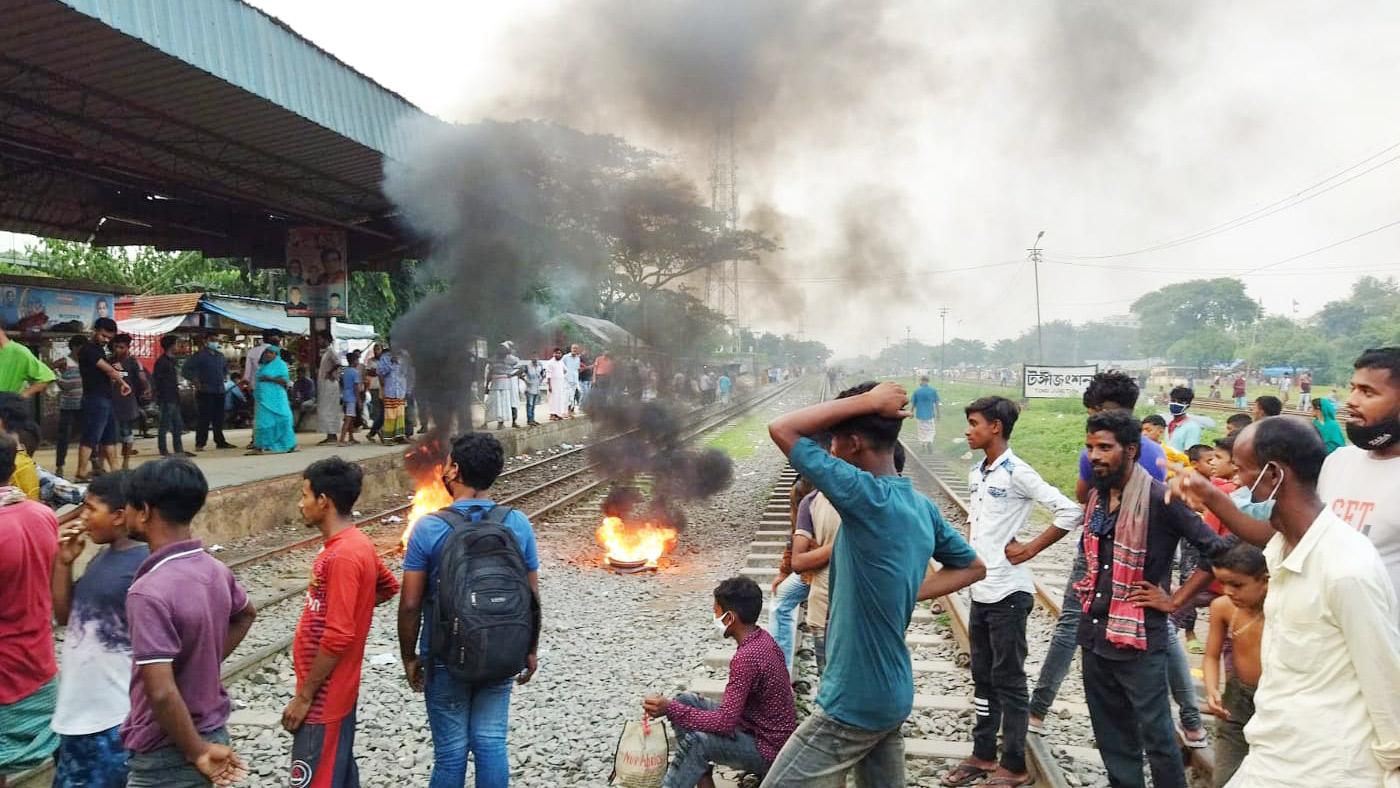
(28, 689)
(757, 715)
(347, 581)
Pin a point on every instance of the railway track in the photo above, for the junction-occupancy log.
(949, 488)
(536, 492)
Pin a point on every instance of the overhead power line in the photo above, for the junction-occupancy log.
(1297, 198)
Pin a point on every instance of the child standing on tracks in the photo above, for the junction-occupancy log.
(1236, 631)
(347, 581)
(888, 534)
(187, 612)
(1003, 489)
(94, 687)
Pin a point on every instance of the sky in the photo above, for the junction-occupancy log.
(908, 153)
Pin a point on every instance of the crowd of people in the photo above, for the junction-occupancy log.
(1293, 548)
(1290, 536)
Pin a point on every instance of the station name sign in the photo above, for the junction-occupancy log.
(1046, 382)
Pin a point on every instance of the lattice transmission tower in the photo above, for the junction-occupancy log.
(722, 279)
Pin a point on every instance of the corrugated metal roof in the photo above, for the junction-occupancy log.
(264, 56)
(160, 305)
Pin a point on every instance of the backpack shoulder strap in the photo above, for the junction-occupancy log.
(498, 514)
(452, 517)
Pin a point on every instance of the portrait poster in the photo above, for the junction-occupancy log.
(38, 308)
(317, 272)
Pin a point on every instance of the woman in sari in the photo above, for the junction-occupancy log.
(273, 432)
(1327, 424)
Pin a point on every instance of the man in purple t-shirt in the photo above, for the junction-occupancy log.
(186, 613)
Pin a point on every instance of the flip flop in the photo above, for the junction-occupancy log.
(1196, 647)
(1194, 744)
(964, 774)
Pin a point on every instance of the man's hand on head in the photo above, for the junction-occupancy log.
(888, 399)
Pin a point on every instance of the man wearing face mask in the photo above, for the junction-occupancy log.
(207, 370)
(758, 714)
(1183, 431)
(1331, 652)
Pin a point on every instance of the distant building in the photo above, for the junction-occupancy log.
(1128, 320)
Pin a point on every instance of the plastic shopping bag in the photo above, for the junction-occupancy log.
(643, 752)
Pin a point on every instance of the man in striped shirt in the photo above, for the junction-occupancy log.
(347, 581)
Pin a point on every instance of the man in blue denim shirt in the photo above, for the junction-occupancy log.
(878, 568)
(460, 715)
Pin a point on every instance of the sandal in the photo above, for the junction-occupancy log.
(1196, 646)
(937, 608)
(1194, 744)
(964, 774)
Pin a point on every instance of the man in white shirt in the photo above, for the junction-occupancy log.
(1003, 490)
(1361, 483)
(1327, 710)
(572, 361)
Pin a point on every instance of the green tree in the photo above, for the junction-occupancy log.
(145, 270)
(1203, 348)
(1172, 312)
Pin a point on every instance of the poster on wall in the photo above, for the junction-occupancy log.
(40, 309)
(317, 272)
(1047, 382)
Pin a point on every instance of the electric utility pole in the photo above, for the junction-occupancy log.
(1035, 262)
(943, 348)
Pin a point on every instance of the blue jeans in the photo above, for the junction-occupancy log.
(531, 400)
(170, 422)
(1063, 643)
(782, 620)
(1183, 687)
(465, 718)
(822, 750)
(696, 750)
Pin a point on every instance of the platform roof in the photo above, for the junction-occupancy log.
(202, 125)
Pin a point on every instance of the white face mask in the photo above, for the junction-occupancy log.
(721, 629)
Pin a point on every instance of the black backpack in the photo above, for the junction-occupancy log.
(485, 617)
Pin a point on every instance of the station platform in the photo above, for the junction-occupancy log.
(251, 493)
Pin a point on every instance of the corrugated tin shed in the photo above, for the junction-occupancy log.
(189, 125)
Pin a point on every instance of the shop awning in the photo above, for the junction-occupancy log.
(150, 325)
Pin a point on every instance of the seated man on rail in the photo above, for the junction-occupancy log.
(758, 712)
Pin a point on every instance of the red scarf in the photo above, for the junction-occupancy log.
(1125, 619)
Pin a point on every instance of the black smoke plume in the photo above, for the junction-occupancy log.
(651, 445)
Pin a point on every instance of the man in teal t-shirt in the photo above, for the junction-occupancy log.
(925, 401)
(879, 568)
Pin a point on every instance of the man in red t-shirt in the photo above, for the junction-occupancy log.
(347, 581)
(28, 687)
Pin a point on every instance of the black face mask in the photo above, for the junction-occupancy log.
(1375, 437)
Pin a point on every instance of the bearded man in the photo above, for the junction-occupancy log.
(1130, 535)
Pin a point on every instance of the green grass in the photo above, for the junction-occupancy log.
(740, 439)
(1049, 433)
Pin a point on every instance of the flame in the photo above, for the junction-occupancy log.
(632, 542)
(428, 498)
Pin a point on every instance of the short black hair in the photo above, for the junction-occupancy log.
(9, 450)
(1194, 453)
(1155, 420)
(271, 334)
(168, 341)
(742, 597)
(121, 339)
(77, 340)
(173, 487)
(336, 479)
(899, 457)
(16, 412)
(881, 432)
(996, 408)
(104, 324)
(1387, 358)
(1241, 557)
(1126, 429)
(1115, 387)
(1291, 442)
(1226, 444)
(1182, 394)
(109, 488)
(1240, 420)
(1271, 405)
(479, 457)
